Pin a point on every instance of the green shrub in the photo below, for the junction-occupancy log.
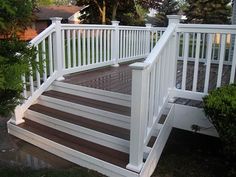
(16, 57)
(220, 108)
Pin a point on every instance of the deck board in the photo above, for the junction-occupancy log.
(119, 109)
(119, 79)
(83, 122)
(98, 151)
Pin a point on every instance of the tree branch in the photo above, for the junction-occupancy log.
(99, 7)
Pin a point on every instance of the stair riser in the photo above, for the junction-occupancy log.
(96, 94)
(70, 154)
(78, 131)
(85, 111)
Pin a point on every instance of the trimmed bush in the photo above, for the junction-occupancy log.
(220, 109)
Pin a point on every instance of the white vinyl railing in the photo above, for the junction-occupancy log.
(44, 59)
(208, 46)
(68, 48)
(151, 81)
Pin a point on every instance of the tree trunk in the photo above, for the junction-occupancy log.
(114, 10)
(104, 12)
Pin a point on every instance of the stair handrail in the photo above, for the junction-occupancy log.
(151, 80)
(41, 82)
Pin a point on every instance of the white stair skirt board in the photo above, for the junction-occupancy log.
(70, 154)
(155, 154)
(85, 111)
(92, 93)
(78, 131)
(186, 116)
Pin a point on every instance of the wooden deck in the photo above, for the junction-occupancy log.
(119, 79)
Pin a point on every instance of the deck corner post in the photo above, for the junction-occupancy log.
(173, 19)
(17, 118)
(139, 109)
(115, 43)
(148, 38)
(57, 47)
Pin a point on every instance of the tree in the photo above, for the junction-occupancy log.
(15, 15)
(163, 8)
(107, 10)
(208, 11)
(166, 7)
(44, 2)
(15, 56)
(154, 4)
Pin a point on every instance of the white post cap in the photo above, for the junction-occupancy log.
(148, 25)
(174, 18)
(56, 19)
(115, 23)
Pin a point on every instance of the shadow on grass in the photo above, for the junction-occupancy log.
(27, 172)
(188, 154)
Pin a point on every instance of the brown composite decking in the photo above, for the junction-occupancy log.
(82, 121)
(119, 79)
(119, 109)
(101, 152)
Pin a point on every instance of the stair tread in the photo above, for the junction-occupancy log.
(189, 102)
(119, 109)
(98, 151)
(82, 121)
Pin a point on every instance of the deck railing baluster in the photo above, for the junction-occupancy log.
(74, 48)
(232, 73)
(222, 57)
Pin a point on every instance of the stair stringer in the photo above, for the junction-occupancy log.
(156, 151)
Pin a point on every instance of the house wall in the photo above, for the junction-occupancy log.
(41, 25)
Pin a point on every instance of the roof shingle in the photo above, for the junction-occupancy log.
(45, 13)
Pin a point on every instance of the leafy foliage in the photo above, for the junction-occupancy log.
(154, 4)
(164, 8)
(15, 60)
(208, 11)
(15, 15)
(15, 56)
(220, 108)
(123, 11)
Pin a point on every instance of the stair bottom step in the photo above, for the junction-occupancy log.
(89, 148)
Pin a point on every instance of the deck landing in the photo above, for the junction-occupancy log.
(118, 79)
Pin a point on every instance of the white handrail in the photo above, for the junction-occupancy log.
(39, 38)
(156, 51)
(205, 28)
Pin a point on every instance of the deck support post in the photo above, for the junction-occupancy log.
(115, 43)
(148, 38)
(173, 19)
(138, 115)
(57, 47)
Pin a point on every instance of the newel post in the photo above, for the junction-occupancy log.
(173, 19)
(17, 118)
(115, 43)
(138, 122)
(57, 47)
(148, 38)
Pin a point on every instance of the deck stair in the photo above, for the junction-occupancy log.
(90, 132)
(116, 120)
